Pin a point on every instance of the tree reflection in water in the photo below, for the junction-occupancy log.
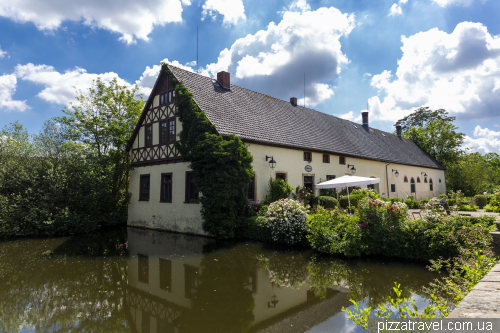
(91, 284)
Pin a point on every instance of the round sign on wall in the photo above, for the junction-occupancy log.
(308, 168)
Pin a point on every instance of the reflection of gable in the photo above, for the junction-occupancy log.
(139, 302)
(308, 314)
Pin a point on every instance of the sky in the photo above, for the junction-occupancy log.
(389, 57)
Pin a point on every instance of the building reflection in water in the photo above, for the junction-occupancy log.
(182, 283)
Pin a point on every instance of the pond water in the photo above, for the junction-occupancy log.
(135, 280)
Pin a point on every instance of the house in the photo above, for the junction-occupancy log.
(304, 147)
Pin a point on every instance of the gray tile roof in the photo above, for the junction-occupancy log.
(257, 117)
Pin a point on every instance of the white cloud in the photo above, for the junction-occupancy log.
(231, 10)
(129, 18)
(350, 116)
(395, 10)
(484, 140)
(273, 61)
(444, 3)
(7, 89)
(459, 72)
(148, 77)
(60, 87)
(2, 54)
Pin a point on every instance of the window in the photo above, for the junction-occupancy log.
(190, 281)
(191, 191)
(167, 131)
(166, 274)
(251, 189)
(164, 98)
(406, 179)
(143, 268)
(425, 179)
(431, 185)
(330, 177)
(166, 187)
(281, 175)
(393, 188)
(440, 180)
(144, 190)
(371, 186)
(418, 179)
(307, 156)
(309, 182)
(326, 158)
(148, 140)
(342, 160)
(412, 185)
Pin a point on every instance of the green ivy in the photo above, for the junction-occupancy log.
(222, 165)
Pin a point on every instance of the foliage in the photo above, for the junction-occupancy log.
(491, 208)
(404, 307)
(327, 192)
(481, 200)
(278, 189)
(344, 200)
(462, 273)
(412, 204)
(50, 185)
(222, 165)
(253, 207)
(254, 228)
(287, 221)
(328, 202)
(423, 116)
(304, 195)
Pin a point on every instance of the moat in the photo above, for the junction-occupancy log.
(135, 280)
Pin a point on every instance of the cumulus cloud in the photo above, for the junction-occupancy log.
(129, 18)
(273, 61)
(484, 140)
(396, 8)
(60, 87)
(8, 85)
(459, 72)
(231, 10)
(148, 77)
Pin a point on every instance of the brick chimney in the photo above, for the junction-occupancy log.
(293, 101)
(224, 79)
(398, 130)
(364, 116)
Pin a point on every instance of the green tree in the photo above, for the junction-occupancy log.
(472, 173)
(423, 116)
(438, 138)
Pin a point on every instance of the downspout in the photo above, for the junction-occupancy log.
(387, 179)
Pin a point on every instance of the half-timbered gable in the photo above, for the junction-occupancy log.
(156, 132)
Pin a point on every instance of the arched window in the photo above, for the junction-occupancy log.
(431, 185)
(440, 180)
(406, 179)
(425, 179)
(412, 185)
(418, 179)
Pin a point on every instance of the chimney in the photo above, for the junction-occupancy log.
(364, 115)
(398, 130)
(223, 78)
(293, 101)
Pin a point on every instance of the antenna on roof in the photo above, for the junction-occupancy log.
(196, 49)
(304, 89)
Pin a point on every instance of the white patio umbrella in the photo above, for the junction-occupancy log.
(347, 181)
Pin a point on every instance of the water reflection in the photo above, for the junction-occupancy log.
(134, 280)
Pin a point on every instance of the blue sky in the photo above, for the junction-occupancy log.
(392, 55)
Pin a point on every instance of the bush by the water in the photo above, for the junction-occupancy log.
(328, 202)
(287, 221)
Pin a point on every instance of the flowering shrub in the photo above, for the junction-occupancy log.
(253, 207)
(373, 212)
(286, 218)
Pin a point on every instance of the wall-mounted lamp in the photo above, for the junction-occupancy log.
(423, 173)
(396, 173)
(273, 302)
(353, 169)
(272, 162)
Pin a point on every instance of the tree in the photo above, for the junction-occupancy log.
(439, 139)
(104, 117)
(423, 116)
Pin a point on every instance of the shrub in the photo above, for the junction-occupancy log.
(481, 200)
(442, 195)
(393, 200)
(254, 228)
(373, 194)
(412, 204)
(410, 197)
(278, 189)
(467, 208)
(344, 203)
(328, 202)
(424, 201)
(304, 195)
(287, 220)
(490, 208)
